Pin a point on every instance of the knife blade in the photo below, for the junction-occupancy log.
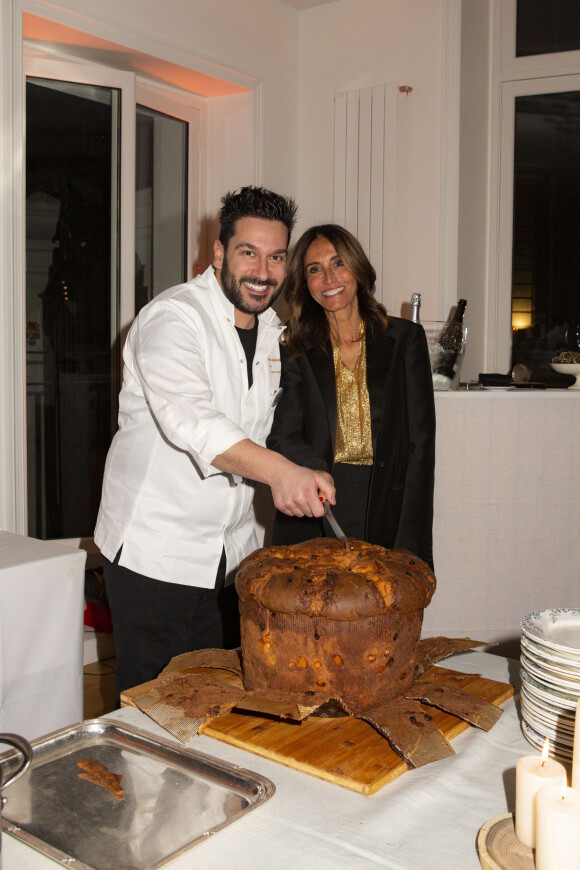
(334, 525)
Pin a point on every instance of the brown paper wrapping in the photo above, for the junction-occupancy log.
(197, 687)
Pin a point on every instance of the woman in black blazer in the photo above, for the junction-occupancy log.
(356, 400)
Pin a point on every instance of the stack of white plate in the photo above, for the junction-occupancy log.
(550, 672)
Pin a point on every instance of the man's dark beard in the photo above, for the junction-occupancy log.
(232, 291)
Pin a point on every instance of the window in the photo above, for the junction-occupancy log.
(110, 221)
(534, 297)
(547, 27)
(160, 203)
(546, 249)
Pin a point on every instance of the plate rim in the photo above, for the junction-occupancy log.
(537, 615)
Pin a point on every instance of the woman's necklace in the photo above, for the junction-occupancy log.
(350, 348)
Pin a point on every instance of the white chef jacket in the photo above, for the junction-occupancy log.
(184, 400)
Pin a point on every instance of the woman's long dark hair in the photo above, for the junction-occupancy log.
(306, 323)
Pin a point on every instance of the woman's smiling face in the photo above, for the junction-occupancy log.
(328, 279)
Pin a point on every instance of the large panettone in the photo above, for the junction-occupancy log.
(316, 617)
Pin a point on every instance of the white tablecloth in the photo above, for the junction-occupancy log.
(427, 818)
(41, 635)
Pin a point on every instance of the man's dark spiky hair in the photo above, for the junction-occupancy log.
(255, 202)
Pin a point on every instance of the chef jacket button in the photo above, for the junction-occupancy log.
(380, 464)
(258, 363)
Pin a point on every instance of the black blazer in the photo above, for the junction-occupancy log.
(400, 508)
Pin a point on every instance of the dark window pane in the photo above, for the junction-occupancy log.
(160, 203)
(71, 298)
(546, 26)
(546, 246)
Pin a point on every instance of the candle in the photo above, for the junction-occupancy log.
(558, 828)
(576, 753)
(533, 772)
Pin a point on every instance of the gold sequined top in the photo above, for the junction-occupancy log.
(353, 423)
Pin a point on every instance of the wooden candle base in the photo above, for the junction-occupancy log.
(500, 849)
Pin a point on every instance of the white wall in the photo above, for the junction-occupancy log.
(231, 157)
(358, 43)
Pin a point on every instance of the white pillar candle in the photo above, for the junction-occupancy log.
(533, 772)
(557, 828)
(576, 754)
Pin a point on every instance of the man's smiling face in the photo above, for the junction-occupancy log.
(252, 268)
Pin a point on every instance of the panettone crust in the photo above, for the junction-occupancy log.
(322, 578)
(316, 617)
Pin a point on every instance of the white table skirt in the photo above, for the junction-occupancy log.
(41, 635)
(507, 495)
(427, 818)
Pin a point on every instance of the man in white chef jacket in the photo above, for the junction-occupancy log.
(200, 384)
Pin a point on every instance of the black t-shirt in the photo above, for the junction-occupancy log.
(248, 337)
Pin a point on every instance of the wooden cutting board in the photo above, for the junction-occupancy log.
(345, 751)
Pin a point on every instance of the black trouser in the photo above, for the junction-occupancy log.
(153, 621)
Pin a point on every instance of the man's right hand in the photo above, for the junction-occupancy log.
(297, 491)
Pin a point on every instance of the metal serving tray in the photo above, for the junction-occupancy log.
(174, 798)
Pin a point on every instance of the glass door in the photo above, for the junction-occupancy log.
(111, 220)
(72, 293)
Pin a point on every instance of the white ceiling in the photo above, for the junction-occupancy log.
(304, 4)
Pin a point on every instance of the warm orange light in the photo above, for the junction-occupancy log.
(69, 39)
(521, 319)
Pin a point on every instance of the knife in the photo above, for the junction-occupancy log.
(334, 525)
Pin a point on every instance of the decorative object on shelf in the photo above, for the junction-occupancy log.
(415, 306)
(568, 368)
(521, 374)
(446, 352)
